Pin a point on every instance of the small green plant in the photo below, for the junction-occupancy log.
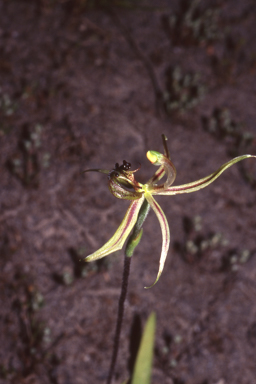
(234, 259)
(198, 243)
(183, 91)
(198, 246)
(7, 106)
(7, 110)
(123, 185)
(221, 125)
(26, 164)
(193, 25)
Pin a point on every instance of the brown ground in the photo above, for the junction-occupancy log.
(77, 93)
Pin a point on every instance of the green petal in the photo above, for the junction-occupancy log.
(199, 184)
(117, 241)
(165, 233)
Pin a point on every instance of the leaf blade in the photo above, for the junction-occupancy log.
(143, 364)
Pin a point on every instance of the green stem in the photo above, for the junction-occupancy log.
(132, 243)
(120, 315)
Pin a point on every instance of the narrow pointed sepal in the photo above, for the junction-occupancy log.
(165, 233)
(117, 240)
(198, 184)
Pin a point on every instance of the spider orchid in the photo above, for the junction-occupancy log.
(122, 184)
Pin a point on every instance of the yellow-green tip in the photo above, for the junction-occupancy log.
(154, 157)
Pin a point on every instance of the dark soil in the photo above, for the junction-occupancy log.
(85, 86)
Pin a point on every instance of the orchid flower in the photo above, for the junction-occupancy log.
(122, 184)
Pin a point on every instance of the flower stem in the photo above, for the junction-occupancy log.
(126, 271)
(131, 245)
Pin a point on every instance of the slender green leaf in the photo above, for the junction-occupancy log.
(143, 364)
